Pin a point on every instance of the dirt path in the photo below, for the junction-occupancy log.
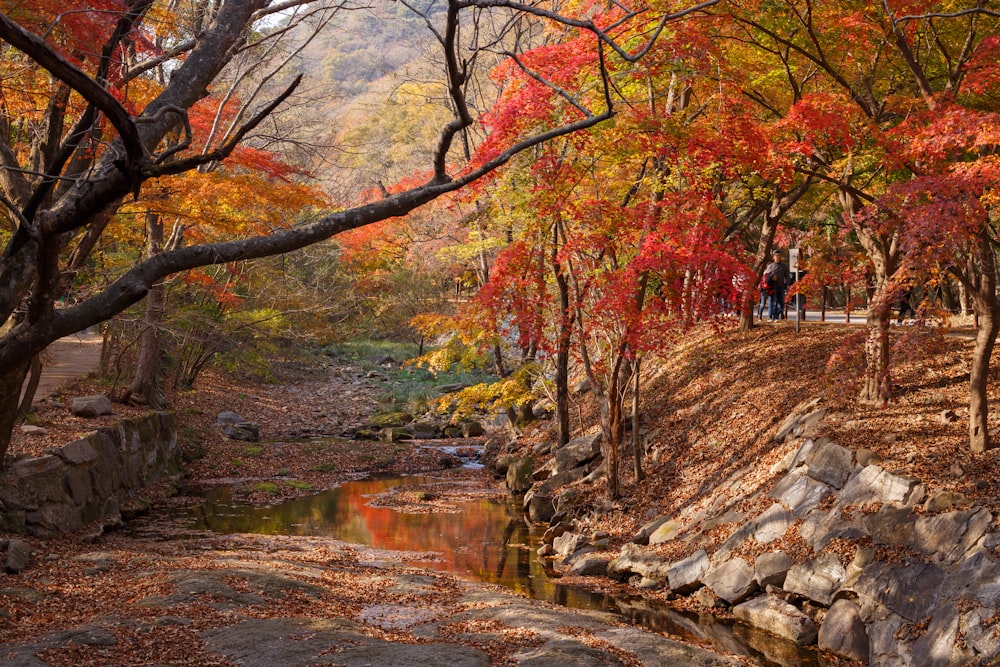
(67, 359)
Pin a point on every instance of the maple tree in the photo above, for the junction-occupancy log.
(122, 144)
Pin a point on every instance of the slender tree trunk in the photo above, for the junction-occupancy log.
(988, 310)
(637, 450)
(751, 294)
(562, 343)
(28, 394)
(612, 432)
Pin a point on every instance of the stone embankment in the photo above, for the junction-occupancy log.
(90, 479)
(893, 577)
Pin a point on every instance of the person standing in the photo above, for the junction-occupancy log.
(777, 279)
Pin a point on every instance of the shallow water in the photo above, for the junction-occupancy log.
(487, 540)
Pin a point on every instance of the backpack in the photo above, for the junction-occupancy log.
(769, 283)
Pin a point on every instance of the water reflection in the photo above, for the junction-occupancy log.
(488, 540)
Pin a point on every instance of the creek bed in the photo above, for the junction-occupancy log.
(482, 538)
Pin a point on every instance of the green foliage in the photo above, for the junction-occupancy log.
(299, 484)
(253, 450)
(267, 487)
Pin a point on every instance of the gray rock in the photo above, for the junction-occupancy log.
(665, 532)
(830, 463)
(874, 484)
(91, 406)
(229, 417)
(637, 559)
(817, 579)
(979, 633)
(891, 525)
(519, 475)
(948, 536)
(245, 431)
(843, 632)
(18, 556)
(590, 566)
(423, 430)
(799, 492)
(943, 501)
(642, 536)
(770, 569)
(567, 543)
(976, 578)
(564, 652)
(733, 581)
(772, 523)
(540, 506)
(77, 452)
(31, 429)
(577, 452)
(909, 590)
(685, 576)
(776, 616)
(936, 647)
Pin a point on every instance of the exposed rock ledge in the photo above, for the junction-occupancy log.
(895, 578)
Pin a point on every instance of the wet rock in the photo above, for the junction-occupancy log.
(843, 632)
(817, 579)
(770, 569)
(776, 616)
(18, 556)
(733, 581)
(685, 576)
(91, 406)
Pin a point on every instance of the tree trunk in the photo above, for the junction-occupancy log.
(10, 392)
(637, 449)
(877, 388)
(145, 383)
(562, 344)
(28, 395)
(752, 293)
(988, 310)
(612, 432)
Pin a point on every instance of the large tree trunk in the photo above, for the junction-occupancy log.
(988, 309)
(877, 387)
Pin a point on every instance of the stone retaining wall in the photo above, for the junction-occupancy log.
(89, 479)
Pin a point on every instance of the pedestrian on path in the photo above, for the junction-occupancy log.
(776, 278)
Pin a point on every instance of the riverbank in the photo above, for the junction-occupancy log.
(157, 592)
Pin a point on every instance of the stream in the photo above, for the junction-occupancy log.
(486, 540)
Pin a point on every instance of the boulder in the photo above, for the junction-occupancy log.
(18, 556)
(577, 452)
(685, 576)
(229, 417)
(519, 475)
(640, 560)
(830, 463)
(541, 507)
(471, 428)
(772, 523)
(247, 431)
(770, 568)
(91, 406)
(774, 615)
(948, 536)
(590, 566)
(817, 579)
(733, 581)
(665, 532)
(567, 543)
(642, 536)
(843, 632)
(800, 492)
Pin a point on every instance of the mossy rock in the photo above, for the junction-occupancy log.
(390, 420)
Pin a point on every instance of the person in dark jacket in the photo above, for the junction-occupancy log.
(777, 279)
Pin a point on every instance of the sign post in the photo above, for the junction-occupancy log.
(793, 268)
